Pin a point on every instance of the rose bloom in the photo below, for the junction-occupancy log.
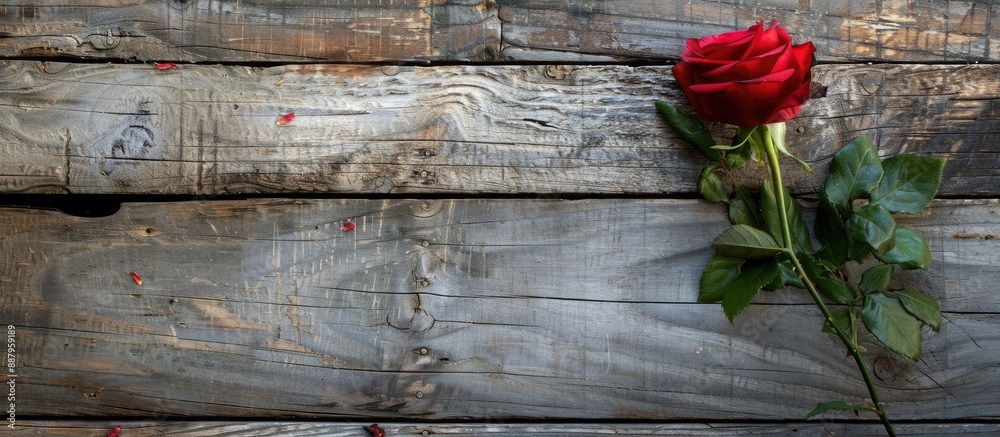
(746, 78)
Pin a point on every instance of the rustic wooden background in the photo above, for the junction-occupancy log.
(526, 242)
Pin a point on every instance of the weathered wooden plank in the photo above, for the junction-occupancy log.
(888, 30)
(451, 310)
(209, 130)
(469, 30)
(252, 31)
(495, 428)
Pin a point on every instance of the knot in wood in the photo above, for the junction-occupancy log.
(872, 81)
(558, 72)
(885, 368)
(105, 41)
(390, 70)
(426, 208)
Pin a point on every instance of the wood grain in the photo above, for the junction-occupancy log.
(470, 30)
(843, 30)
(480, 316)
(210, 130)
(491, 428)
(252, 31)
(455, 309)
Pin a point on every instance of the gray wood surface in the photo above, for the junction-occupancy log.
(470, 30)
(450, 316)
(252, 31)
(492, 428)
(209, 130)
(843, 30)
(455, 309)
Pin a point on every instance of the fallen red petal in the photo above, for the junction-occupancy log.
(115, 432)
(285, 119)
(376, 430)
(136, 278)
(347, 227)
(164, 65)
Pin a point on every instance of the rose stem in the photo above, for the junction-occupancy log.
(786, 236)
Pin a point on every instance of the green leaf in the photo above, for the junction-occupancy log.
(788, 275)
(876, 279)
(740, 213)
(855, 170)
(740, 139)
(815, 267)
(718, 274)
(743, 208)
(757, 152)
(797, 225)
(736, 160)
(910, 251)
(777, 131)
(873, 225)
(857, 250)
(842, 318)
(824, 275)
(734, 282)
(691, 128)
(710, 186)
(834, 289)
(753, 276)
(726, 148)
(776, 282)
(838, 405)
(909, 184)
(769, 211)
(742, 241)
(831, 234)
(889, 322)
(922, 306)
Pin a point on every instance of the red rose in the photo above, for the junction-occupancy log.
(746, 78)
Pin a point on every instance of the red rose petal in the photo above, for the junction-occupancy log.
(748, 77)
(347, 227)
(164, 65)
(376, 430)
(136, 278)
(114, 432)
(286, 118)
